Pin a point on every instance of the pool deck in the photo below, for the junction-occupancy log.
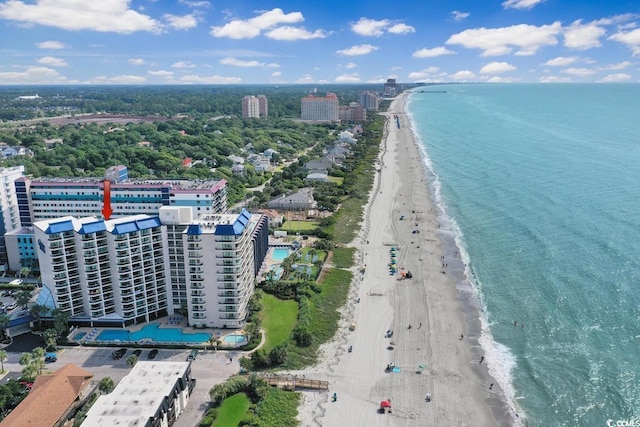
(169, 322)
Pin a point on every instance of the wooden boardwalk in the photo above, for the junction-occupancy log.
(291, 383)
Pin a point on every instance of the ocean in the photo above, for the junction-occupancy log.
(541, 184)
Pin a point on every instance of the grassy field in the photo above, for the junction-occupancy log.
(295, 225)
(278, 409)
(232, 410)
(278, 320)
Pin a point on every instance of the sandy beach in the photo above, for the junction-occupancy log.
(439, 354)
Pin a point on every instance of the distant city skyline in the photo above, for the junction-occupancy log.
(250, 42)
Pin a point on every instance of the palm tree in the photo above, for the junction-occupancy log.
(3, 357)
(37, 359)
(106, 385)
(37, 310)
(60, 321)
(51, 338)
(132, 360)
(4, 322)
(22, 298)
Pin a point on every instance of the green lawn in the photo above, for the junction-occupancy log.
(295, 225)
(232, 410)
(278, 320)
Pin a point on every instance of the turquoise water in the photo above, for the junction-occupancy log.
(79, 336)
(279, 254)
(278, 271)
(539, 185)
(154, 333)
(234, 339)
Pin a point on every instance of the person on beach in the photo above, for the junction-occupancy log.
(481, 359)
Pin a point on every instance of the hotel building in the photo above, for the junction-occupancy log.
(9, 216)
(353, 112)
(323, 109)
(138, 268)
(369, 100)
(50, 198)
(218, 262)
(255, 106)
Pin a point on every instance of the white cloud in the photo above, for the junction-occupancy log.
(619, 66)
(424, 74)
(103, 16)
(183, 64)
(401, 28)
(629, 38)
(307, 78)
(348, 78)
(240, 63)
(580, 72)
(350, 65)
(498, 41)
(53, 62)
(463, 75)
(161, 73)
(433, 52)
(583, 37)
(500, 79)
(276, 74)
(137, 61)
(195, 79)
(459, 16)
(195, 4)
(370, 27)
(521, 4)
(32, 75)
(497, 68)
(616, 78)
(294, 33)
(51, 44)
(239, 29)
(555, 79)
(362, 49)
(561, 61)
(272, 65)
(119, 80)
(181, 22)
(374, 28)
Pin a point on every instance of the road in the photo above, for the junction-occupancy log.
(210, 368)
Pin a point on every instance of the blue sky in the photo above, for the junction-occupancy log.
(320, 41)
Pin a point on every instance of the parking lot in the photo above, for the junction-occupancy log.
(209, 368)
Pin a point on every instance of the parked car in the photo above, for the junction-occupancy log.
(12, 306)
(193, 355)
(137, 353)
(153, 353)
(118, 353)
(50, 357)
(16, 282)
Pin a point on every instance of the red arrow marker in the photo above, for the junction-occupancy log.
(106, 210)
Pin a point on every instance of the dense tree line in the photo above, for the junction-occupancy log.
(284, 100)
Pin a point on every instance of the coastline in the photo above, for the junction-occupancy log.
(438, 302)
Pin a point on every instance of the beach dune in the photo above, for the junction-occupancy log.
(433, 348)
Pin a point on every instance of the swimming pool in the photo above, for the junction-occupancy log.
(277, 268)
(79, 336)
(153, 332)
(234, 339)
(279, 254)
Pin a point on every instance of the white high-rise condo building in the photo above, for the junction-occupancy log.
(138, 268)
(9, 213)
(255, 106)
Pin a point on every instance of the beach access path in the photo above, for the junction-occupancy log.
(431, 355)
